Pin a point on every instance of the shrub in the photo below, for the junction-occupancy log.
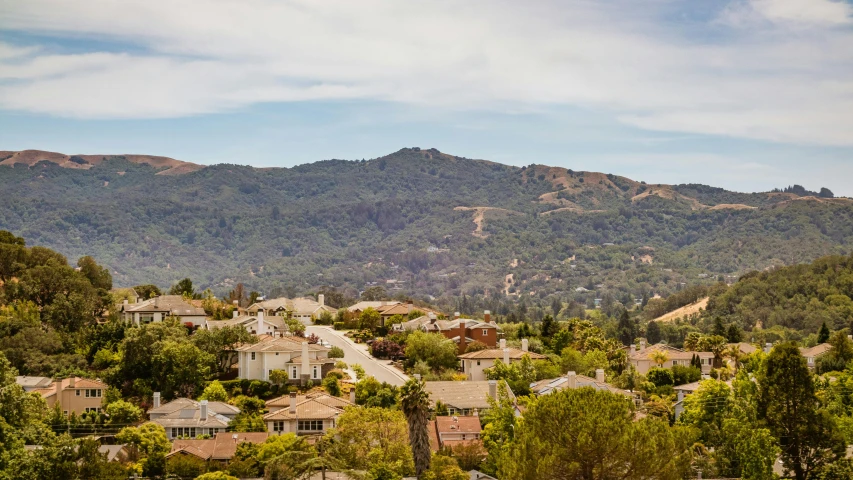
(258, 388)
(386, 349)
(341, 365)
(335, 373)
(660, 376)
(339, 326)
(682, 375)
(336, 352)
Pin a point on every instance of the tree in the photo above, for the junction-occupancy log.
(279, 377)
(332, 385)
(715, 344)
(706, 409)
(734, 334)
(146, 292)
(444, 468)
(370, 393)
(180, 368)
(549, 326)
(475, 346)
(653, 335)
(336, 352)
(150, 443)
(215, 392)
(185, 466)
(414, 401)
(369, 319)
(183, 288)
(591, 434)
(436, 350)
(837, 358)
(823, 334)
(807, 435)
(625, 328)
(372, 294)
(215, 476)
(123, 413)
(659, 357)
(366, 437)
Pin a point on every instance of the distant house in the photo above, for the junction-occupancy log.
(463, 331)
(571, 381)
(159, 308)
(454, 431)
(465, 398)
(813, 353)
(184, 417)
(257, 324)
(220, 449)
(474, 363)
(302, 361)
(303, 309)
(642, 359)
(311, 414)
(33, 383)
(74, 394)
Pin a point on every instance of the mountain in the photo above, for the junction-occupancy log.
(463, 233)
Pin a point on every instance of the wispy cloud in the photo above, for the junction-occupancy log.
(621, 57)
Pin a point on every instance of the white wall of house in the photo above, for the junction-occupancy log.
(292, 426)
(139, 318)
(474, 368)
(259, 367)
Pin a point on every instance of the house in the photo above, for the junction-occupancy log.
(185, 417)
(74, 394)
(221, 448)
(159, 308)
(359, 307)
(477, 475)
(461, 330)
(304, 309)
(257, 324)
(114, 453)
(311, 414)
(302, 361)
(30, 384)
(813, 353)
(642, 359)
(573, 380)
(465, 398)
(474, 363)
(454, 431)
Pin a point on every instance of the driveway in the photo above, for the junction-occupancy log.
(357, 353)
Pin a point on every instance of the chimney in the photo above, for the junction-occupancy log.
(599, 375)
(203, 406)
(633, 349)
(767, 347)
(352, 395)
(417, 376)
(506, 356)
(642, 344)
(476, 413)
(262, 327)
(72, 381)
(456, 315)
(503, 343)
(293, 402)
(525, 344)
(321, 299)
(487, 316)
(493, 389)
(572, 380)
(126, 301)
(306, 365)
(431, 318)
(680, 395)
(236, 313)
(410, 305)
(156, 399)
(58, 385)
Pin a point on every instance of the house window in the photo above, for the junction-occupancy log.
(811, 360)
(315, 373)
(294, 373)
(277, 426)
(485, 332)
(675, 363)
(212, 431)
(478, 363)
(183, 432)
(93, 393)
(93, 409)
(310, 425)
(253, 355)
(77, 393)
(146, 318)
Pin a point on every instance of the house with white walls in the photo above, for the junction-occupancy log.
(257, 324)
(184, 417)
(311, 414)
(304, 309)
(643, 359)
(473, 364)
(301, 360)
(159, 308)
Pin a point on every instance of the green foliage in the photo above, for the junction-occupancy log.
(332, 385)
(436, 350)
(151, 443)
(215, 476)
(444, 468)
(370, 393)
(414, 402)
(279, 377)
(682, 375)
(185, 466)
(587, 433)
(660, 377)
(183, 288)
(121, 412)
(214, 392)
(366, 437)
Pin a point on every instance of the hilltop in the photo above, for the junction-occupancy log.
(418, 222)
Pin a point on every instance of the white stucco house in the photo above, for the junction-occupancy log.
(159, 308)
(301, 360)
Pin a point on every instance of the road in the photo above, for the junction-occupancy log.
(357, 353)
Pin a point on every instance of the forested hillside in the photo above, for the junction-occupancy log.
(418, 222)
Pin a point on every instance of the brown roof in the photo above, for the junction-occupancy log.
(544, 387)
(222, 447)
(172, 304)
(309, 409)
(325, 398)
(744, 347)
(79, 383)
(462, 424)
(816, 351)
(281, 344)
(498, 354)
(673, 353)
(462, 395)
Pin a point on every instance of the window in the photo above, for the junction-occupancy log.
(212, 431)
(315, 373)
(253, 355)
(310, 425)
(811, 360)
(93, 409)
(92, 393)
(183, 432)
(478, 363)
(485, 332)
(146, 318)
(674, 363)
(294, 373)
(277, 426)
(78, 393)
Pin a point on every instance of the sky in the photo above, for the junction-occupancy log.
(742, 94)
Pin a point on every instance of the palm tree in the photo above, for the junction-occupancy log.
(734, 353)
(660, 357)
(414, 401)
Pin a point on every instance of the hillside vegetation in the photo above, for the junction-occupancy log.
(417, 222)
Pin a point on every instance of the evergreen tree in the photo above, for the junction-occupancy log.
(719, 329)
(653, 334)
(414, 401)
(696, 362)
(808, 436)
(733, 334)
(823, 334)
(549, 327)
(626, 329)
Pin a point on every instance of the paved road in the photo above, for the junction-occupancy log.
(357, 353)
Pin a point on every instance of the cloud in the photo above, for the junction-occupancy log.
(618, 57)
